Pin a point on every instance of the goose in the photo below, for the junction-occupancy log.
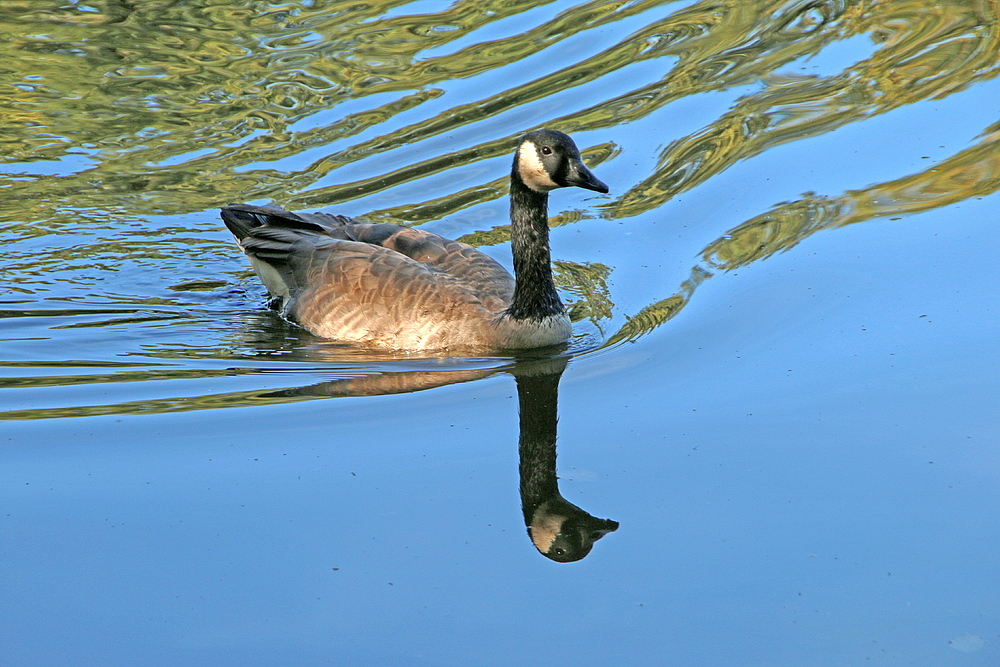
(381, 285)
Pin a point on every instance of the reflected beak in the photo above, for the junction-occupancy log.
(581, 177)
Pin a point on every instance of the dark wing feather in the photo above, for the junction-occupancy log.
(256, 226)
(243, 219)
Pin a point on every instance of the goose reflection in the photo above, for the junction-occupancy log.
(559, 529)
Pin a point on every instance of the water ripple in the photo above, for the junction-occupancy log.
(119, 114)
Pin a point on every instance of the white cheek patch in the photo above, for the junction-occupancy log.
(531, 169)
(544, 531)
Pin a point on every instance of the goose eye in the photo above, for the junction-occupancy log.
(546, 150)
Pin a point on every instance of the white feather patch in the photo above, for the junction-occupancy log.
(531, 169)
(528, 334)
(272, 280)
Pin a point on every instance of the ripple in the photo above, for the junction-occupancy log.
(125, 112)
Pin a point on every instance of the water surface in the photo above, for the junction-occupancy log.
(782, 382)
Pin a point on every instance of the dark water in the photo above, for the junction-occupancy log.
(792, 417)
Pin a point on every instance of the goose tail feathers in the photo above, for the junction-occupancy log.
(243, 219)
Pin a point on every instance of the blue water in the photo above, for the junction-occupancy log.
(803, 460)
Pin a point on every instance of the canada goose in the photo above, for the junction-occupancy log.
(388, 286)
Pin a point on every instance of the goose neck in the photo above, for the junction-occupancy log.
(535, 295)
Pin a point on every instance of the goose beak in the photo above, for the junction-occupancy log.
(581, 177)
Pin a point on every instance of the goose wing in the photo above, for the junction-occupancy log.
(478, 272)
(374, 283)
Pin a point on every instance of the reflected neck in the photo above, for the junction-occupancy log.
(537, 400)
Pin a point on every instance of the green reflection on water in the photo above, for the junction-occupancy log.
(118, 111)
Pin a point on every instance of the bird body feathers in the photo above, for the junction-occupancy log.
(382, 285)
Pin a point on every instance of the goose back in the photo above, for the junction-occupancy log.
(379, 285)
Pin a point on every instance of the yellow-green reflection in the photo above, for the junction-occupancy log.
(129, 87)
(970, 173)
(115, 111)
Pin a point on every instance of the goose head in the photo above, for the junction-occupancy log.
(565, 533)
(547, 160)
